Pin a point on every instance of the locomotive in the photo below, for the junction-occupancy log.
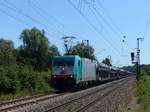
(73, 71)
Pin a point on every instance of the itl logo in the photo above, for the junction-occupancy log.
(63, 70)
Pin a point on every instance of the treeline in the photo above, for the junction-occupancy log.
(130, 68)
(26, 68)
(145, 69)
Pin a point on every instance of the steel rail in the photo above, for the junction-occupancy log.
(83, 108)
(13, 105)
(81, 97)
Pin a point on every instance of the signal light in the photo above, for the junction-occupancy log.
(132, 56)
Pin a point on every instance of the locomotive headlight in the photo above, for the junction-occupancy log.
(71, 76)
(54, 76)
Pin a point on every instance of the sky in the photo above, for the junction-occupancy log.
(103, 22)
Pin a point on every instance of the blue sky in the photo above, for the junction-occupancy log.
(104, 29)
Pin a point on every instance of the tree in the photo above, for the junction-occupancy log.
(107, 62)
(145, 68)
(130, 68)
(9, 82)
(6, 52)
(83, 51)
(54, 50)
(35, 49)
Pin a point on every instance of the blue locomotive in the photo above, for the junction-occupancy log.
(72, 70)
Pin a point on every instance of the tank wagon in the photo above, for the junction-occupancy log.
(73, 71)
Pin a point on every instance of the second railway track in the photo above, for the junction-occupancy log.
(70, 106)
(99, 98)
(15, 104)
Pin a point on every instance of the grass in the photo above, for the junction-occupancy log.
(13, 96)
(141, 101)
(5, 97)
(143, 92)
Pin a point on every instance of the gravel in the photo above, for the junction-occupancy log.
(115, 101)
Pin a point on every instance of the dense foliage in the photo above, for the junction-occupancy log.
(83, 51)
(144, 68)
(8, 68)
(27, 68)
(144, 91)
(130, 68)
(6, 52)
(35, 49)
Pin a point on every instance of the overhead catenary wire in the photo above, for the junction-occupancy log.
(19, 20)
(93, 26)
(146, 28)
(17, 10)
(43, 16)
(101, 16)
(12, 7)
(106, 32)
(96, 29)
(52, 18)
(117, 29)
(94, 10)
(110, 26)
(111, 20)
(113, 45)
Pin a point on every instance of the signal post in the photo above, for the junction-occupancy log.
(137, 62)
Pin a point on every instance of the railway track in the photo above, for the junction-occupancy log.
(15, 104)
(72, 101)
(90, 104)
(20, 103)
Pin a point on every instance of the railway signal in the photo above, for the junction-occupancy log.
(137, 62)
(132, 56)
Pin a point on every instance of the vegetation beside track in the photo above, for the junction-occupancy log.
(27, 83)
(143, 89)
(25, 70)
(143, 94)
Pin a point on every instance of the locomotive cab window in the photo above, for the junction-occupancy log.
(63, 63)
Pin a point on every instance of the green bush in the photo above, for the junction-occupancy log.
(14, 79)
(144, 89)
(33, 81)
(9, 82)
(24, 70)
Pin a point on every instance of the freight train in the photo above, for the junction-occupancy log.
(73, 71)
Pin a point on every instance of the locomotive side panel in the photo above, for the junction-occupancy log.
(88, 70)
